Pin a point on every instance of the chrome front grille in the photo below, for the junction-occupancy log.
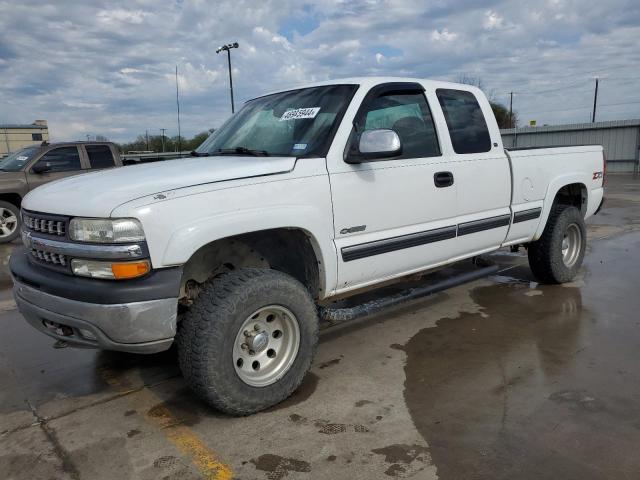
(44, 225)
(49, 257)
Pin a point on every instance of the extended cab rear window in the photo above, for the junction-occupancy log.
(465, 120)
(100, 156)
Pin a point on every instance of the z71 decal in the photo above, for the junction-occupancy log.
(597, 175)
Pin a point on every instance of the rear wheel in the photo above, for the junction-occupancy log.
(557, 256)
(248, 340)
(9, 222)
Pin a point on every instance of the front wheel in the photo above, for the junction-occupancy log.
(557, 256)
(248, 340)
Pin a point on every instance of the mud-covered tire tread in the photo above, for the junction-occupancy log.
(545, 256)
(207, 329)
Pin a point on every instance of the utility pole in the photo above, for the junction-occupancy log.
(147, 135)
(178, 105)
(595, 101)
(228, 48)
(511, 110)
(6, 139)
(163, 130)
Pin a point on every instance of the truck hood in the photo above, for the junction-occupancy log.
(97, 194)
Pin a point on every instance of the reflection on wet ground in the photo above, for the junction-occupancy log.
(542, 383)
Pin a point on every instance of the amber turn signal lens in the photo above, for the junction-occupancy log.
(122, 271)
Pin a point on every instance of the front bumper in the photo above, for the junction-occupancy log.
(143, 321)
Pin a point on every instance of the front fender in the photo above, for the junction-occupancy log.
(192, 236)
(176, 228)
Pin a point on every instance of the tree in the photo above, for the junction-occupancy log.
(171, 144)
(196, 141)
(502, 116)
(500, 111)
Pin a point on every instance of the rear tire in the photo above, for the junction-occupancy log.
(9, 222)
(557, 256)
(248, 340)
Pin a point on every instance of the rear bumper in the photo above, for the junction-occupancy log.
(58, 305)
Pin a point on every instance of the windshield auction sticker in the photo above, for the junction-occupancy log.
(297, 113)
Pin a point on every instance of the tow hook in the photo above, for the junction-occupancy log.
(58, 329)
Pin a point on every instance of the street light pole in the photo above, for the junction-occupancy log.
(228, 48)
(163, 130)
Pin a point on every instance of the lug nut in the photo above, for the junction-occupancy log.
(244, 346)
(246, 333)
(256, 327)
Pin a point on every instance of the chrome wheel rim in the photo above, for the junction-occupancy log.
(571, 245)
(8, 222)
(266, 345)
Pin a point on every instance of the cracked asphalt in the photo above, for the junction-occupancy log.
(499, 378)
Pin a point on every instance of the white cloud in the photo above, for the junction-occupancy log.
(134, 17)
(443, 35)
(492, 20)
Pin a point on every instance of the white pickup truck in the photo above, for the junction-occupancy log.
(302, 195)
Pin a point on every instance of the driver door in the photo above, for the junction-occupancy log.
(61, 162)
(392, 216)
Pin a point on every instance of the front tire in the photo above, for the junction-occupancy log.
(9, 222)
(248, 340)
(557, 256)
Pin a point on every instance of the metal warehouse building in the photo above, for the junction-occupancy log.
(620, 138)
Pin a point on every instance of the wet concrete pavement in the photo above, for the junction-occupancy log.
(499, 378)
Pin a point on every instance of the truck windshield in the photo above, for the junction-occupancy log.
(294, 123)
(17, 160)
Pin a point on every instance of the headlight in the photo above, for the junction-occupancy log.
(106, 230)
(110, 270)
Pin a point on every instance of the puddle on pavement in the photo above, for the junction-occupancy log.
(40, 373)
(535, 386)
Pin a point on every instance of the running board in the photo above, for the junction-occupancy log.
(334, 316)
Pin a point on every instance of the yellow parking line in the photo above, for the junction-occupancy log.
(185, 439)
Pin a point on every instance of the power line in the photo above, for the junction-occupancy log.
(539, 92)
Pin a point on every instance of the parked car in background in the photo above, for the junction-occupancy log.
(32, 166)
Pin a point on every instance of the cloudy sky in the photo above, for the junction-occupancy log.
(107, 67)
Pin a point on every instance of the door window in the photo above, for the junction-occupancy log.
(465, 120)
(100, 156)
(61, 159)
(408, 114)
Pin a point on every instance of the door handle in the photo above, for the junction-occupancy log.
(443, 179)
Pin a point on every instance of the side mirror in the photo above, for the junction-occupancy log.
(41, 167)
(379, 143)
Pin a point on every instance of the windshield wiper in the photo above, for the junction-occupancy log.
(242, 151)
(199, 154)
